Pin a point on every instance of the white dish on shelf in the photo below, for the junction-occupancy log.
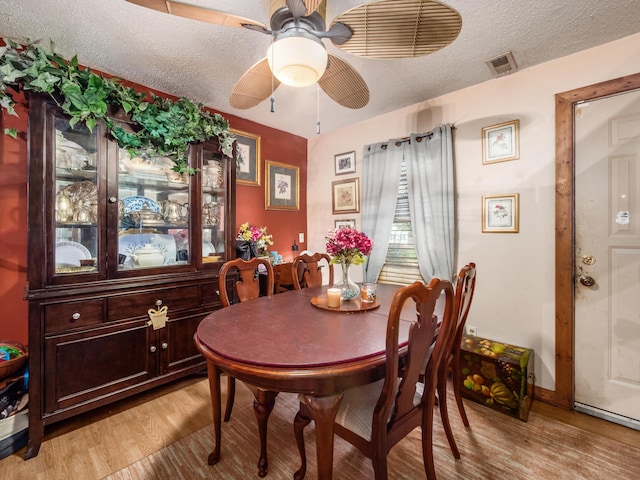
(69, 254)
(129, 243)
(207, 248)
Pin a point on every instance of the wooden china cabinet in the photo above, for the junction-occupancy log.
(123, 264)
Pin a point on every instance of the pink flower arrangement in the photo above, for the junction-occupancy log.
(348, 245)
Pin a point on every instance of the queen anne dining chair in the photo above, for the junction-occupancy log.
(465, 287)
(247, 287)
(308, 267)
(375, 417)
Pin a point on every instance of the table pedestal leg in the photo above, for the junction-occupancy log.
(323, 411)
(214, 387)
(263, 406)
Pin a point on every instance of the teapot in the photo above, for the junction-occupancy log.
(174, 212)
(148, 256)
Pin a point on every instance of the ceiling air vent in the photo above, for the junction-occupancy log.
(502, 64)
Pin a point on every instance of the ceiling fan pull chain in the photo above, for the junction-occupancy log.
(273, 100)
(318, 109)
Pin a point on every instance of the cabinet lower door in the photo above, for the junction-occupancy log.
(179, 349)
(94, 363)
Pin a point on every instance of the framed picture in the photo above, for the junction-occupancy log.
(345, 163)
(283, 187)
(346, 196)
(345, 222)
(500, 213)
(248, 158)
(500, 142)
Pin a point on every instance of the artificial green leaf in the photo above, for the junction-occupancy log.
(12, 132)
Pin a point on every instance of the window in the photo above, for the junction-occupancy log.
(401, 264)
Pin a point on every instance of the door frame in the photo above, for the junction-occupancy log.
(565, 229)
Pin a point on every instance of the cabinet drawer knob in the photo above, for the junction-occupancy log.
(113, 200)
(75, 316)
(165, 345)
(158, 303)
(152, 348)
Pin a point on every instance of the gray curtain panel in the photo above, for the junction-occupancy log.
(429, 163)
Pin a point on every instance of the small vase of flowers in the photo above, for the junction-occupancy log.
(348, 246)
(257, 236)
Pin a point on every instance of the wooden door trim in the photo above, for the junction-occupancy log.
(565, 227)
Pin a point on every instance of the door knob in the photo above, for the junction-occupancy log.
(587, 280)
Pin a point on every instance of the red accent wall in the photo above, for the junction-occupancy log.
(13, 226)
(284, 225)
(276, 145)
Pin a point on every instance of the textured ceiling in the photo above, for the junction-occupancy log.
(201, 61)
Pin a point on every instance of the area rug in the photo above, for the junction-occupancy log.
(495, 446)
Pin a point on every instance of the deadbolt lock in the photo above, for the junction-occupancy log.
(588, 259)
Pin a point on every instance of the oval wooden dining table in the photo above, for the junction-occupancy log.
(284, 343)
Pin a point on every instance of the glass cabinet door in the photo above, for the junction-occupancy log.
(213, 205)
(76, 199)
(153, 213)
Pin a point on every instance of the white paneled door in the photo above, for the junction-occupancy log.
(607, 287)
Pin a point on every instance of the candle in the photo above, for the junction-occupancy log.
(333, 297)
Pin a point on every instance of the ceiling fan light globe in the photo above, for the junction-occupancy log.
(297, 61)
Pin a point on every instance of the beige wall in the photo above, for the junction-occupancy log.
(514, 299)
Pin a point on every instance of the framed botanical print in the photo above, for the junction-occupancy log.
(345, 163)
(346, 196)
(247, 158)
(283, 187)
(500, 142)
(500, 213)
(345, 222)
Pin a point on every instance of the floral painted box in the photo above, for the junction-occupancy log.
(497, 375)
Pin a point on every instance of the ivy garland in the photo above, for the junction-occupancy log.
(164, 127)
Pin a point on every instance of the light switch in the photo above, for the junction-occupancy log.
(301, 237)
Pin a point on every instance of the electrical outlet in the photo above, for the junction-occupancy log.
(471, 330)
(301, 237)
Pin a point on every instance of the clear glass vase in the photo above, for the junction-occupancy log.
(348, 289)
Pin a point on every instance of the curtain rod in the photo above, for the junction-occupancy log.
(408, 139)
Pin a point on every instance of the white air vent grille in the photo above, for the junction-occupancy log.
(502, 64)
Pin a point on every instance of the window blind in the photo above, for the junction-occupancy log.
(401, 264)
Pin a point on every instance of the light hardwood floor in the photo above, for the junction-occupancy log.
(134, 428)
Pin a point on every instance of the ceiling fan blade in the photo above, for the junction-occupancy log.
(313, 5)
(297, 8)
(310, 6)
(400, 28)
(200, 13)
(254, 86)
(344, 84)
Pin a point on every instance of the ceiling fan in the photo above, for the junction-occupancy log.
(297, 56)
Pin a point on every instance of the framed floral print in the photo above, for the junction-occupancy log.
(345, 222)
(500, 142)
(500, 213)
(345, 163)
(283, 187)
(247, 158)
(346, 196)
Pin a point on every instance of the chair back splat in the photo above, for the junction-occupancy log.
(306, 270)
(248, 286)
